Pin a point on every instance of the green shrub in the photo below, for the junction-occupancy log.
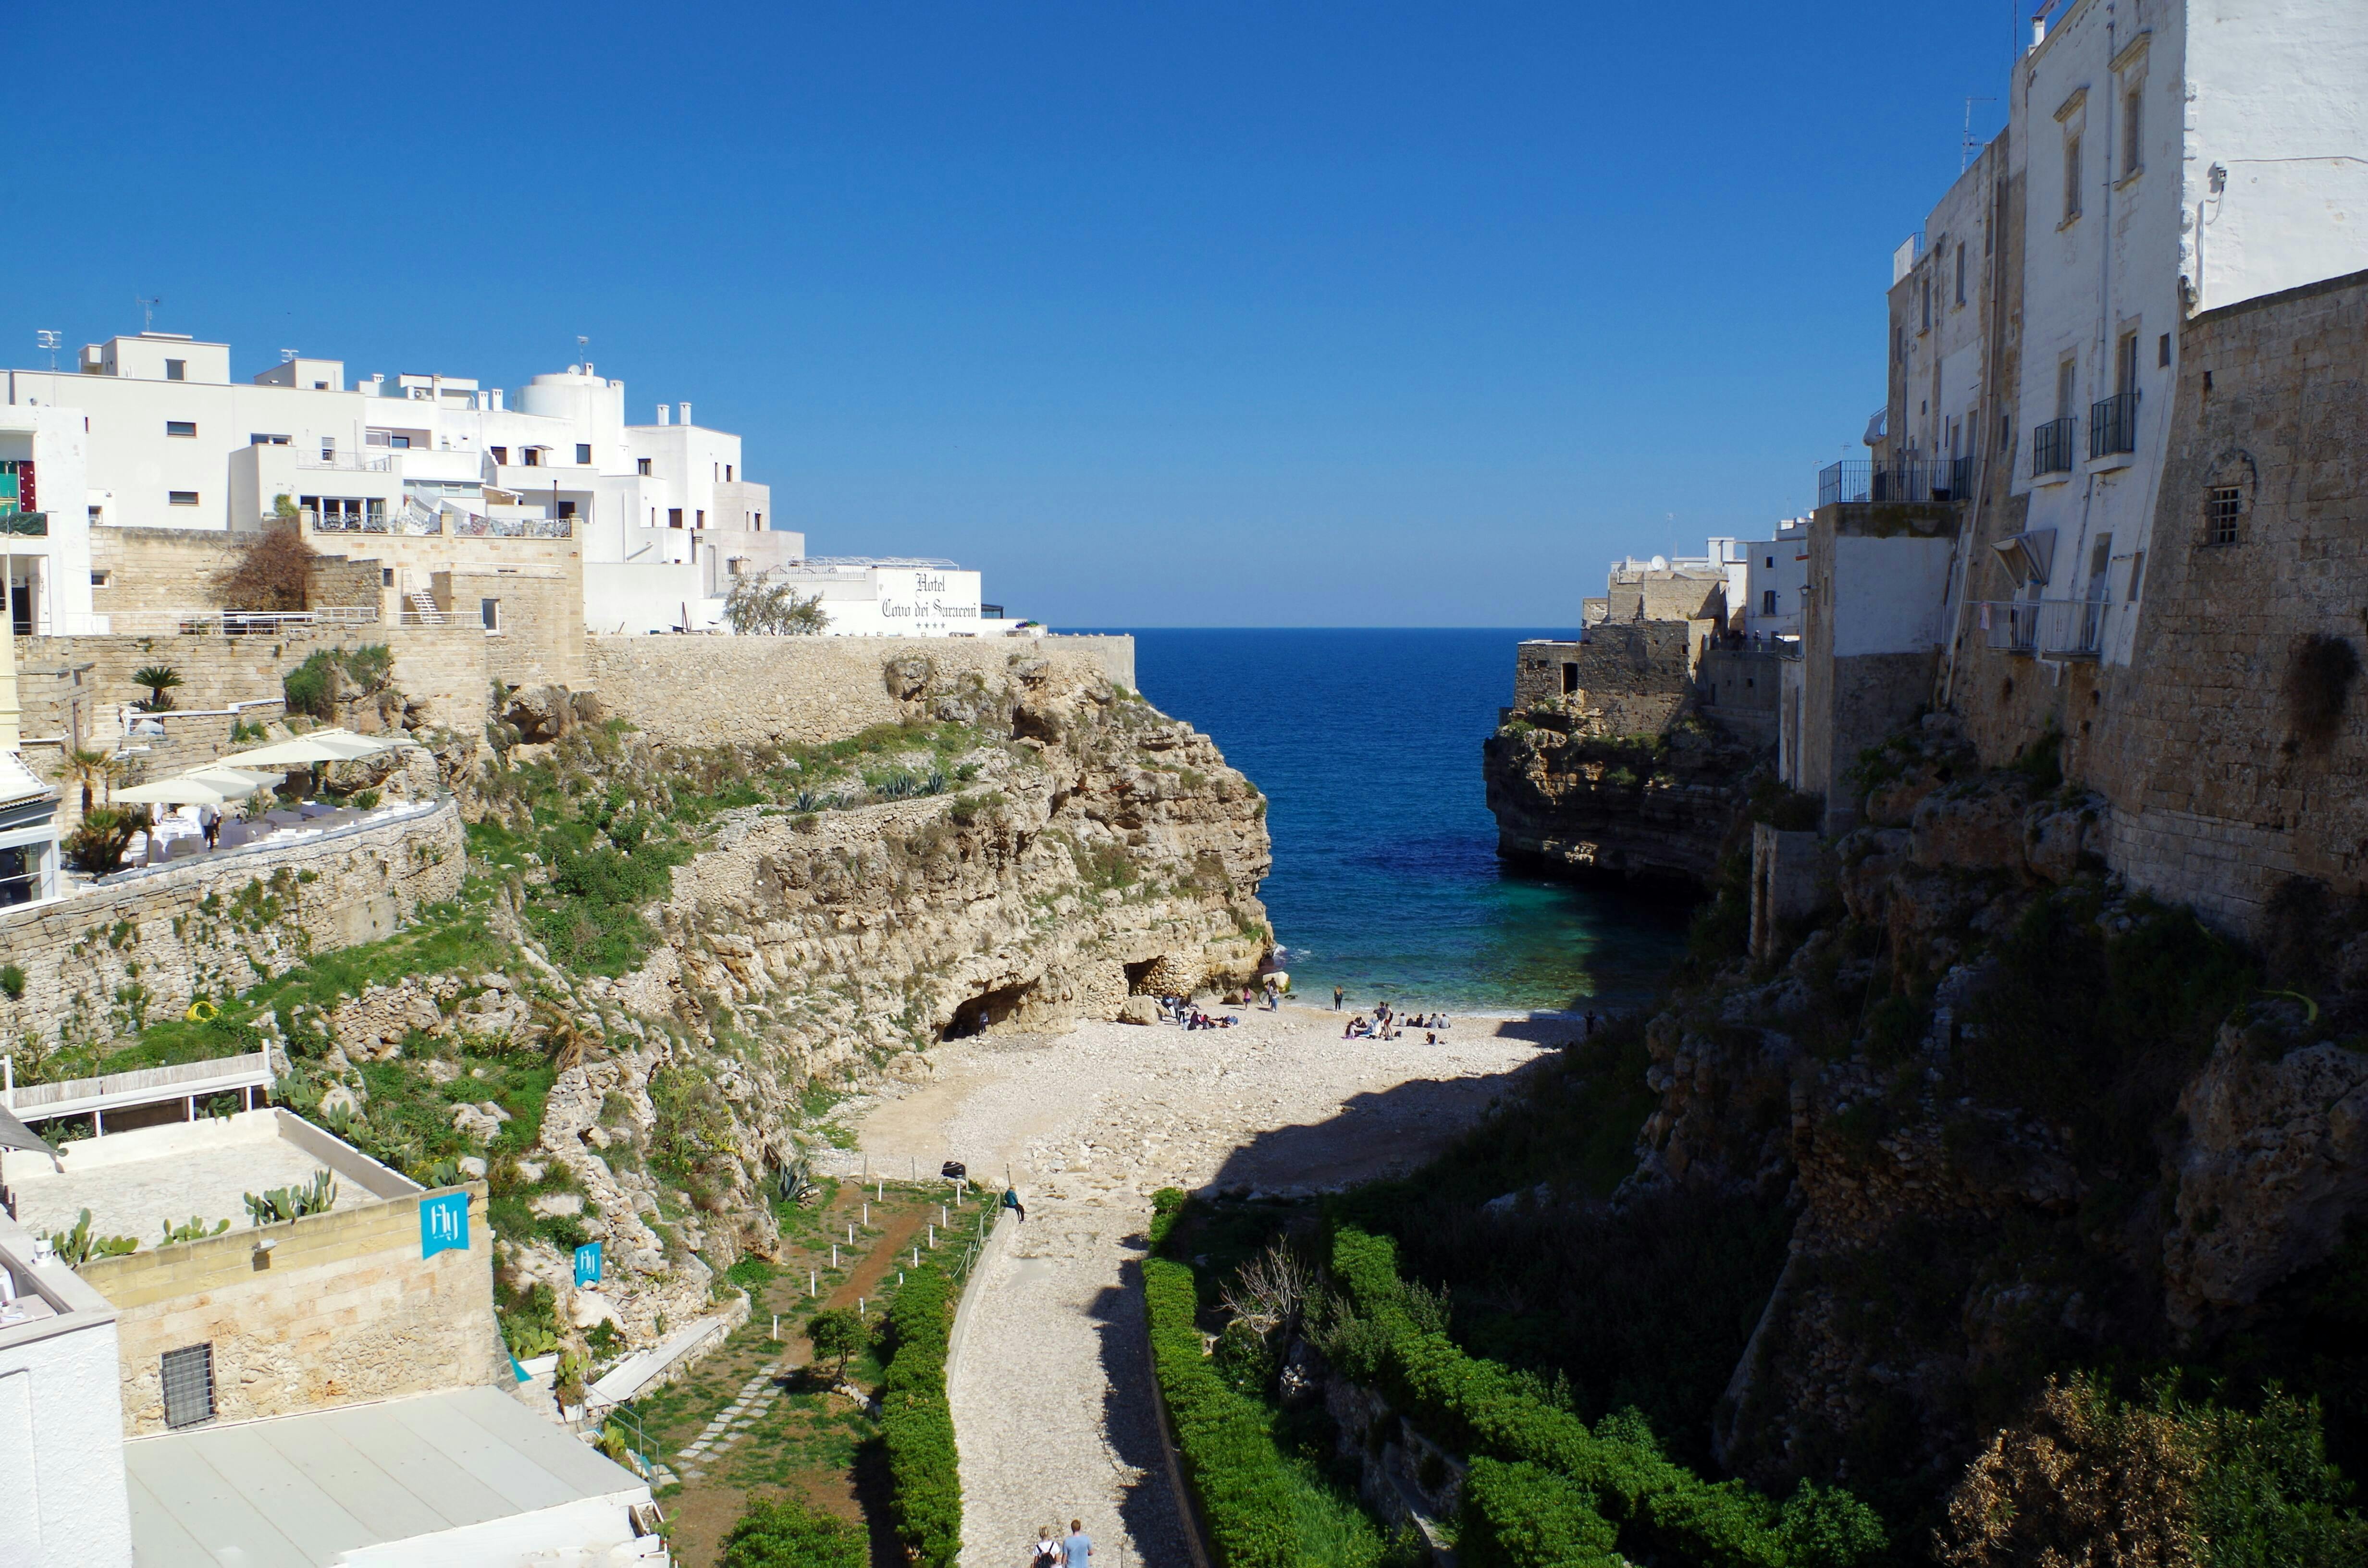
(916, 1423)
(12, 980)
(788, 1534)
(1660, 1509)
(1230, 1459)
(1526, 1515)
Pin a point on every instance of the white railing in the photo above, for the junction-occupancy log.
(413, 520)
(348, 463)
(234, 622)
(189, 1081)
(469, 525)
(2073, 629)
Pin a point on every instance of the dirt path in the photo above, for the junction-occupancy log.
(1052, 1405)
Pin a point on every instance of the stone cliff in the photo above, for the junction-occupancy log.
(2023, 1119)
(1570, 793)
(1021, 849)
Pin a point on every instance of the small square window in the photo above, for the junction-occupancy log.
(674, 516)
(386, 576)
(180, 497)
(98, 579)
(583, 454)
(398, 443)
(642, 466)
(2162, 350)
(188, 1378)
(491, 610)
(501, 454)
(186, 428)
(2224, 506)
(176, 369)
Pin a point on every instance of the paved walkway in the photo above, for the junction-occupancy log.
(1052, 1405)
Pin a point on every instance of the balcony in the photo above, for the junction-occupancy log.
(2055, 629)
(1905, 479)
(469, 525)
(2114, 426)
(2051, 448)
(347, 463)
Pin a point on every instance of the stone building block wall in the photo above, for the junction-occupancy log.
(100, 963)
(1623, 660)
(2219, 794)
(1656, 596)
(716, 690)
(540, 638)
(346, 1311)
(159, 571)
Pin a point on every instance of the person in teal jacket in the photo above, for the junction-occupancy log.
(1011, 1202)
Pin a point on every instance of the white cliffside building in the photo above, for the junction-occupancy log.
(150, 431)
(2173, 157)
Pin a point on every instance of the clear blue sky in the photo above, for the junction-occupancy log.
(1182, 314)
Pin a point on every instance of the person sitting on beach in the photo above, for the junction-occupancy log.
(1429, 1040)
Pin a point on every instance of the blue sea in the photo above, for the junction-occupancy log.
(1386, 882)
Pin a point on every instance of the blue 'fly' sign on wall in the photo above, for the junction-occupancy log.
(443, 1222)
(588, 1264)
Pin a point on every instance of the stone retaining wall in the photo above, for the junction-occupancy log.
(344, 1311)
(103, 962)
(803, 690)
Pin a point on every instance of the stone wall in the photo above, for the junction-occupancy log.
(101, 964)
(158, 572)
(714, 690)
(1740, 689)
(1656, 596)
(345, 1310)
(537, 636)
(2222, 786)
(1638, 672)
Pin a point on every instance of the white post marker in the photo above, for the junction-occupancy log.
(933, 1238)
(834, 1254)
(810, 1284)
(776, 1325)
(916, 1257)
(867, 1214)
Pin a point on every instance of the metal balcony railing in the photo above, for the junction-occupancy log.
(469, 525)
(2113, 425)
(1902, 479)
(2051, 447)
(2062, 629)
(348, 463)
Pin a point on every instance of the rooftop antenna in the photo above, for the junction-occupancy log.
(288, 356)
(582, 346)
(147, 309)
(1969, 149)
(48, 337)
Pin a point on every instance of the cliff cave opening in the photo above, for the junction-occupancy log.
(986, 1009)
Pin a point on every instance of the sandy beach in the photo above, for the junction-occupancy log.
(1053, 1403)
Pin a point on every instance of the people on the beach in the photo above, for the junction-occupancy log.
(1011, 1202)
(1046, 1550)
(1080, 1547)
(1338, 996)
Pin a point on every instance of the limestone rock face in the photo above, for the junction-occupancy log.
(2276, 1158)
(1570, 793)
(1972, 827)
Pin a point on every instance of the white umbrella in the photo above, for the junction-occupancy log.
(321, 746)
(206, 786)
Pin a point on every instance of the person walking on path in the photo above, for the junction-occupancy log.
(1080, 1547)
(1011, 1202)
(210, 823)
(1046, 1552)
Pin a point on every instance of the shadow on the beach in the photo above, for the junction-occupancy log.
(1150, 1512)
(1382, 1132)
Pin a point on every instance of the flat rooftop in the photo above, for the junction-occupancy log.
(133, 1183)
(467, 1477)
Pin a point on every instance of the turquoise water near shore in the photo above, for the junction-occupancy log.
(1367, 744)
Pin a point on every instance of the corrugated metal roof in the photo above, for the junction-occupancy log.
(294, 1493)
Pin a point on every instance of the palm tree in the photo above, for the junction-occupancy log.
(158, 679)
(88, 768)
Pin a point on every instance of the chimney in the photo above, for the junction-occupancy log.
(664, 415)
(685, 409)
(497, 400)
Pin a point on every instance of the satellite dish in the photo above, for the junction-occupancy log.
(1659, 564)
